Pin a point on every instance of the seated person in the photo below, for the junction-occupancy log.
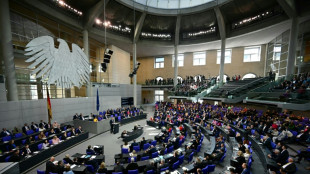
(34, 126)
(197, 165)
(46, 145)
(216, 156)
(150, 166)
(124, 134)
(30, 140)
(52, 131)
(118, 167)
(240, 160)
(41, 136)
(245, 169)
(76, 162)
(64, 136)
(5, 133)
(126, 146)
(67, 159)
(90, 151)
(79, 130)
(41, 128)
(102, 168)
(162, 165)
(26, 151)
(133, 144)
(151, 150)
(60, 168)
(67, 169)
(75, 116)
(50, 166)
(15, 157)
(11, 145)
(132, 165)
(142, 142)
(175, 158)
(92, 162)
(55, 140)
(188, 152)
(288, 168)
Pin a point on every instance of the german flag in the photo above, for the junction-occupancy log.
(49, 106)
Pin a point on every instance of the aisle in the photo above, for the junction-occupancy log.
(110, 141)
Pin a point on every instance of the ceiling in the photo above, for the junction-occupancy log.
(246, 22)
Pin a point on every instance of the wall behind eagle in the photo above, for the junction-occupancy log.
(119, 66)
(17, 113)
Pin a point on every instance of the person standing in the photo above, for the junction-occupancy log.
(112, 121)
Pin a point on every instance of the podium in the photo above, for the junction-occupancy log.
(115, 128)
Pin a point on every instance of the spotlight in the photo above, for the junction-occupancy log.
(107, 56)
(104, 67)
(108, 51)
(138, 63)
(106, 60)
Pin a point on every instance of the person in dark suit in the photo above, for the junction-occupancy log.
(151, 166)
(79, 130)
(42, 124)
(133, 144)
(142, 142)
(132, 165)
(162, 165)
(240, 160)
(50, 166)
(60, 168)
(92, 162)
(187, 152)
(245, 169)
(25, 128)
(34, 126)
(151, 150)
(283, 156)
(288, 168)
(267, 142)
(174, 158)
(76, 116)
(11, 145)
(241, 147)
(197, 165)
(67, 159)
(217, 156)
(111, 124)
(118, 167)
(89, 150)
(76, 162)
(15, 157)
(5, 133)
(26, 150)
(176, 142)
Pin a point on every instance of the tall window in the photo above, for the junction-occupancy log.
(251, 54)
(277, 52)
(159, 95)
(159, 62)
(180, 60)
(227, 56)
(199, 58)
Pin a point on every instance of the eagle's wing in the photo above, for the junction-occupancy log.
(81, 65)
(42, 51)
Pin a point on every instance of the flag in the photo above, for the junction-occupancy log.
(49, 106)
(98, 105)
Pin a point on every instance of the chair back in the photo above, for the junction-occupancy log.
(36, 137)
(18, 135)
(164, 169)
(125, 151)
(211, 168)
(198, 148)
(40, 172)
(90, 168)
(133, 171)
(7, 138)
(146, 146)
(46, 134)
(24, 141)
(190, 158)
(69, 134)
(175, 165)
(136, 148)
(155, 154)
(170, 149)
(205, 170)
(145, 158)
(154, 143)
(150, 172)
(50, 141)
(40, 146)
(181, 159)
(7, 159)
(222, 159)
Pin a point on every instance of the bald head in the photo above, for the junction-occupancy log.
(52, 159)
(290, 160)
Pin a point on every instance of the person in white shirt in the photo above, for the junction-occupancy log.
(45, 145)
(247, 155)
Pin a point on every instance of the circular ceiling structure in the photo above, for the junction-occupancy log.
(172, 4)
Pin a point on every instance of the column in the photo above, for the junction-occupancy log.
(7, 51)
(222, 62)
(134, 56)
(175, 79)
(292, 48)
(86, 51)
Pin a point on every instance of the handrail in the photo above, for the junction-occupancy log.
(248, 84)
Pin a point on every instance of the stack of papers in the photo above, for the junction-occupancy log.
(72, 166)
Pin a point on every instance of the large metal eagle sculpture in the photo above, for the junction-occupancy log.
(58, 66)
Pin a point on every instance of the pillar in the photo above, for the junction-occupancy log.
(222, 62)
(292, 48)
(134, 56)
(7, 51)
(175, 79)
(86, 51)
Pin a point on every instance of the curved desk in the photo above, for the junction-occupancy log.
(133, 135)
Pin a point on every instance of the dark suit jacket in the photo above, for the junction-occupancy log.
(3, 134)
(150, 167)
(68, 160)
(282, 157)
(59, 169)
(132, 166)
(133, 144)
(267, 144)
(290, 169)
(24, 129)
(15, 158)
(50, 167)
(118, 168)
(33, 128)
(246, 171)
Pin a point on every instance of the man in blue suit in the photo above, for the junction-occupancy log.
(245, 170)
